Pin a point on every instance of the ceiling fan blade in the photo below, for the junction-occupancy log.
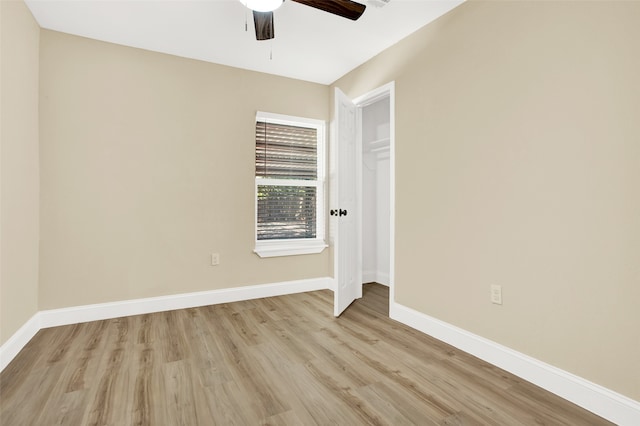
(345, 8)
(263, 22)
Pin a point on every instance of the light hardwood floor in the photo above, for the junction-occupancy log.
(275, 361)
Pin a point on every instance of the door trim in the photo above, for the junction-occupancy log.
(382, 92)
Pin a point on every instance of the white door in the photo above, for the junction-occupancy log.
(343, 214)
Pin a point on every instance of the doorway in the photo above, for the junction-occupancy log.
(376, 191)
(367, 253)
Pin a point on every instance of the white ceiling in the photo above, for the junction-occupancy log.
(309, 45)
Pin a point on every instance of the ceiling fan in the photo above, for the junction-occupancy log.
(263, 12)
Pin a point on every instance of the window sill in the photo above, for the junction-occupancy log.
(288, 248)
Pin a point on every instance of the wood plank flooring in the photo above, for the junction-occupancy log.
(275, 361)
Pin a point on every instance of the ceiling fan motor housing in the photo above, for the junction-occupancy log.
(262, 5)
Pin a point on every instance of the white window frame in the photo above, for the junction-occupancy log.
(291, 247)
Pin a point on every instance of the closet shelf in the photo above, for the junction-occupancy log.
(380, 149)
(377, 141)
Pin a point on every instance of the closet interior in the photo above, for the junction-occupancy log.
(376, 192)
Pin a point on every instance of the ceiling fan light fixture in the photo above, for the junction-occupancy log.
(262, 5)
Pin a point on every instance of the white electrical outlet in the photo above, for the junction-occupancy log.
(496, 294)
(215, 259)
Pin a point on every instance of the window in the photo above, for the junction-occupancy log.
(289, 185)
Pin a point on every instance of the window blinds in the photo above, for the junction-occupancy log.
(286, 172)
(286, 152)
(286, 212)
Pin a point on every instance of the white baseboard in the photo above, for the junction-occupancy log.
(382, 278)
(368, 276)
(375, 277)
(101, 311)
(604, 402)
(18, 340)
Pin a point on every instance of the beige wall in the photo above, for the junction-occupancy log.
(147, 165)
(19, 167)
(518, 163)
